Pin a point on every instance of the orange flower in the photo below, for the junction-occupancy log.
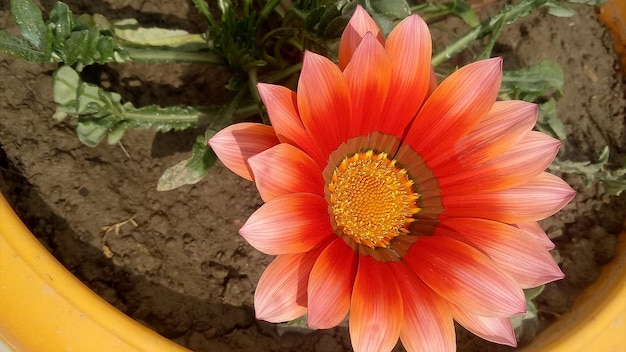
(405, 204)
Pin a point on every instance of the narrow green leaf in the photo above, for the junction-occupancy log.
(29, 19)
(131, 33)
(13, 45)
(190, 171)
(203, 9)
(559, 10)
(588, 2)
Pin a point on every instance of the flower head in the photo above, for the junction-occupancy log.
(404, 204)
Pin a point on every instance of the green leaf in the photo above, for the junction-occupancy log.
(616, 185)
(614, 180)
(530, 83)
(203, 9)
(528, 320)
(586, 169)
(548, 122)
(508, 15)
(465, 12)
(91, 132)
(62, 19)
(131, 34)
(13, 45)
(100, 112)
(395, 9)
(190, 171)
(65, 84)
(297, 325)
(588, 2)
(559, 10)
(30, 22)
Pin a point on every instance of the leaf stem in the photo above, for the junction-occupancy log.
(169, 56)
(507, 15)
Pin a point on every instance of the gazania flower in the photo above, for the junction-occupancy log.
(404, 204)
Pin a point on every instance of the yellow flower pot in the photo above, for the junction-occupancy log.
(44, 307)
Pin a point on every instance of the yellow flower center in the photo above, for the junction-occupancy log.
(371, 199)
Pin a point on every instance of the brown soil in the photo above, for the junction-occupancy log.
(183, 270)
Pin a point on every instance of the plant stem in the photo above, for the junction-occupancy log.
(169, 56)
(508, 15)
(282, 74)
(196, 115)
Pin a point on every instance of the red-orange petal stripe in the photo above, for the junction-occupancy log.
(534, 230)
(360, 23)
(471, 278)
(330, 285)
(428, 324)
(409, 47)
(524, 161)
(291, 223)
(504, 126)
(236, 143)
(281, 294)
(498, 330)
(454, 109)
(285, 169)
(368, 75)
(519, 255)
(376, 312)
(324, 101)
(282, 109)
(535, 200)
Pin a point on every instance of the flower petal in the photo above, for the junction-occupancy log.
(428, 324)
(464, 276)
(498, 330)
(455, 107)
(283, 113)
(534, 200)
(376, 310)
(281, 294)
(324, 101)
(234, 144)
(518, 254)
(525, 160)
(535, 230)
(360, 23)
(409, 47)
(285, 169)
(504, 126)
(330, 285)
(291, 223)
(368, 76)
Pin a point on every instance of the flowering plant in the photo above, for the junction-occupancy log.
(410, 203)
(404, 203)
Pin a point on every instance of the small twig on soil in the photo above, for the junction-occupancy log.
(116, 229)
(125, 150)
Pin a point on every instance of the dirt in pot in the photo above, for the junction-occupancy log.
(173, 260)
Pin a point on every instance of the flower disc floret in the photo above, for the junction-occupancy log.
(372, 200)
